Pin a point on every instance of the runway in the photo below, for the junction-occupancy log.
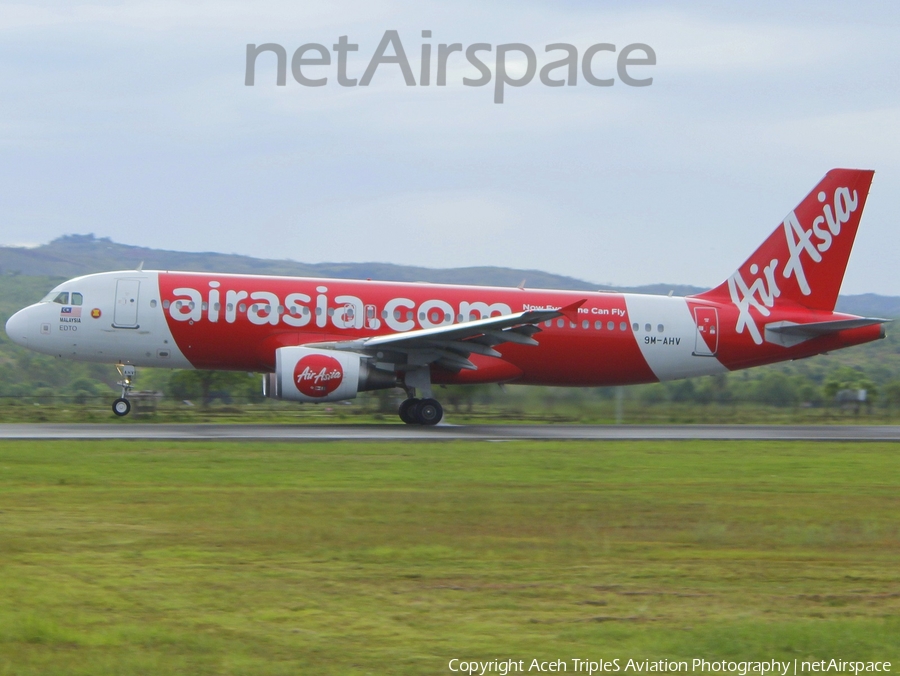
(300, 433)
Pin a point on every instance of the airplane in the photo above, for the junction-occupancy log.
(325, 340)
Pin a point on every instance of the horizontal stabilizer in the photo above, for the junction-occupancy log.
(788, 334)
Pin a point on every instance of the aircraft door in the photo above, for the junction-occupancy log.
(707, 341)
(126, 312)
(372, 321)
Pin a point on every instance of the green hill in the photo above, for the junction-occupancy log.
(74, 255)
(32, 380)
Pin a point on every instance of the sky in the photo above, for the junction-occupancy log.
(131, 120)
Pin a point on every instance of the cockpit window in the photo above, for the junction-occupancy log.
(62, 297)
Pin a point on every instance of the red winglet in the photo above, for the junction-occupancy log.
(570, 312)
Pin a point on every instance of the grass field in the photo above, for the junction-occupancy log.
(591, 412)
(385, 558)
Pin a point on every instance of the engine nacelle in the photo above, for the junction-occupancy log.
(311, 375)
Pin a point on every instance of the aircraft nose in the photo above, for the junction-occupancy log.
(17, 328)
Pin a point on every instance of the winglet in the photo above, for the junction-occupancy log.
(570, 312)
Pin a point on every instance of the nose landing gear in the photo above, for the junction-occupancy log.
(121, 406)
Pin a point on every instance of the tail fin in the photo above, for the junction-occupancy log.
(804, 260)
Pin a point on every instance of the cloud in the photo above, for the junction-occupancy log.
(131, 120)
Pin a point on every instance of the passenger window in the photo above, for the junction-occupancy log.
(647, 327)
(623, 326)
(62, 298)
(585, 324)
(635, 326)
(153, 303)
(598, 325)
(610, 325)
(77, 299)
(560, 322)
(660, 328)
(165, 304)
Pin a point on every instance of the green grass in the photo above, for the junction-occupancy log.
(366, 411)
(380, 558)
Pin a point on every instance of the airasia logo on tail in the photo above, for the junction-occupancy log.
(761, 293)
(318, 375)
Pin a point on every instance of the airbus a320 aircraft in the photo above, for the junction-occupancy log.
(320, 340)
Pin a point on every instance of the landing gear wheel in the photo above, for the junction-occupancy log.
(429, 412)
(121, 407)
(407, 411)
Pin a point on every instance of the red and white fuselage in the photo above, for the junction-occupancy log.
(778, 305)
(236, 322)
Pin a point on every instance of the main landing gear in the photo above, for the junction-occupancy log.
(425, 411)
(122, 406)
(421, 411)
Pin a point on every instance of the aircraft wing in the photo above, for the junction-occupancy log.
(450, 345)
